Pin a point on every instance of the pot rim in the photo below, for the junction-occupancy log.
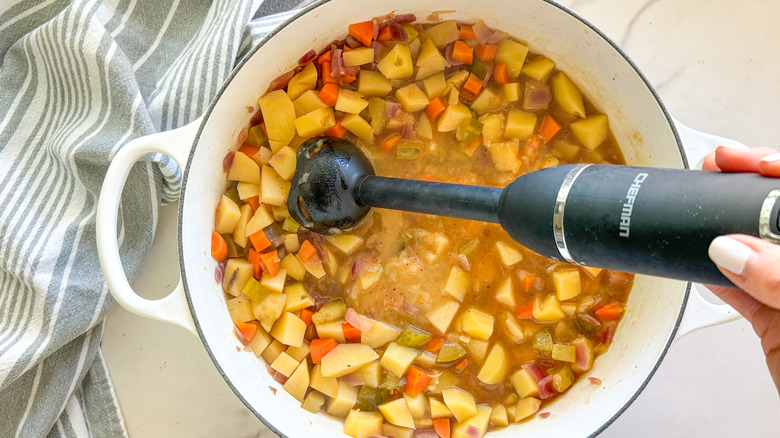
(242, 63)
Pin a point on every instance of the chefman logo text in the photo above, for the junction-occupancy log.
(628, 206)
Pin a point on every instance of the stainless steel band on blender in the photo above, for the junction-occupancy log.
(765, 217)
(560, 207)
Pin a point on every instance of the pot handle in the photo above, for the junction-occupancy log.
(700, 312)
(176, 144)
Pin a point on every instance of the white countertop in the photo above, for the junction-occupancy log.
(715, 64)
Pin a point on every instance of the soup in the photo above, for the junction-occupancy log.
(413, 323)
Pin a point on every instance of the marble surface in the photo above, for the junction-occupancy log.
(715, 64)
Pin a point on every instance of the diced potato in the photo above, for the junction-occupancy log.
(505, 294)
(261, 341)
(426, 359)
(430, 57)
(519, 124)
(538, 68)
(347, 358)
(298, 383)
(379, 334)
(425, 73)
(347, 243)
(360, 56)
(239, 232)
(567, 284)
(446, 379)
(305, 80)
(359, 424)
(442, 34)
(350, 102)
(423, 127)
(237, 273)
(345, 399)
(477, 348)
(358, 126)
(567, 95)
(548, 310)
(292, 244)
(261, 219)
(562, 377)
(247, 190)
(397, 359)
(492, 128)
(397, 412)
(526, 407)
(227, 216)
(456, 81)
(273, 351)
(458, 283)
(505, 156)
(326, 385)
(569, 308)
(298, 297)
(453, 116)
(279, 115)
(396, 431)
(583, 349)
(434, 85)
(313, 402)
(592, 130)
(441, 316)
(418, 405)
(289, 330)
(487, 100)
(308, 102)
(498, 416)
(397, 64)
(495, 367)
(294, 267)
(480, 421)
(371, 374)
(331, 329)
(315, 123)
(513, 54)
(244, 169)
(273, 188)
(298, 353)
(478, 324)
(460, 403)
(511, 91)
(524, 383)
(513, 328)
(276, 283)
(240, 310)
(412, 98)
(269, 310)
(285, 364)
(373, 83)
(593, 272)
(439, 409)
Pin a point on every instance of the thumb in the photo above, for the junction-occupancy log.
(751, 264)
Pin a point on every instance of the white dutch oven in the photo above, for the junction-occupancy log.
(647, 134)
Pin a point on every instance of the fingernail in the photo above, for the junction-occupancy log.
(771, 158)
(731, 146)
(729, 254)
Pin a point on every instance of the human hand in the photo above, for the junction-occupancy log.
(751, 263)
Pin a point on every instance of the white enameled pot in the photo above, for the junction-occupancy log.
(647, 134)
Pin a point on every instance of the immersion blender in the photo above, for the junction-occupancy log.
(633, 219)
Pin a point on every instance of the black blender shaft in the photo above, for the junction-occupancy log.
(634, 219)
(452, 200)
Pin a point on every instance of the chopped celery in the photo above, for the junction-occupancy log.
(233, 249)
(584, 325)
(368, 399)
(332, 311)
(290, 225)
(479, 69)
(256, 136)
(450, 352)
(469, 132)
(413, 337)
(376, 112)
(469, 248)
(543, 341)
(232, 193)
(389, 384)
(411, 32)
(407, 153)
(254, 290)
(413, 236)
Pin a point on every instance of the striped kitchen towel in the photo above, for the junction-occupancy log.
(79, 79)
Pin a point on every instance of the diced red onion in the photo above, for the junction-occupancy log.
(273, 390)
(546, 388)
(448, 56)
(405, 18)
(281, 81)
(257, 118)
(397, 33)
(352, 42)
(591, 319)
(353, 70)
(376, 29)
(273, 231)
(609, 333)
(464, 262)
(317, 244)
(378, 47)
(583, 356)
(594, 380)
(281, 252)
(488, 74)
(534, 370)
(407, 131)
(308, 57)
(537, 99)
(337, 64)
(426, 433)
(353, 379)
(219, 272)
(242, 135)
(359, 321)
(359, 267)
(392, 109)
(279, 377)
(497, 37)
(240, 336)
(544, 415)
(228, 161)
(482, 32)
(278, 241)
(473, 432)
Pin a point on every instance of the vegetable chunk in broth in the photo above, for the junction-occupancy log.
(413, 321)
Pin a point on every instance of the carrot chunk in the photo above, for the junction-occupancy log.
(219, 247)
(500, 73)
(248, 330)
(473, 84)
(435, 108)
(320, 347)
(363, 32)
(416, 381)
(549, 128)
(306, 251)
(271, 263)
(462, 52)
(486, 52)
(329, 94)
